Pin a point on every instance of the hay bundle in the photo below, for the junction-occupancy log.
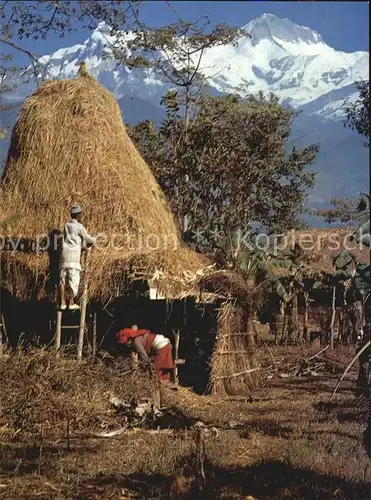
(234, 368)
(70, 145)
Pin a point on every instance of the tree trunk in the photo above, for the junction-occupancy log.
(280, 322)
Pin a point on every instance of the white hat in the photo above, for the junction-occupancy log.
(76, 209)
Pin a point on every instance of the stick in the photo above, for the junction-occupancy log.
(231, 352)
(318, 353)
(84, 302)
(94, 340)
(176, 346)
(238, 374)
(58, 333)
(350, 365)
(333, 316)
(236, 335)
(2, 328)
(68, 430)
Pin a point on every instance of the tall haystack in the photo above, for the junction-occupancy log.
(69, 145)
(234, 367)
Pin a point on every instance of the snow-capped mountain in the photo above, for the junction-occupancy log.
(282, 57)
(289, 60)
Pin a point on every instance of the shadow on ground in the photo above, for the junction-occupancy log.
(266, 481)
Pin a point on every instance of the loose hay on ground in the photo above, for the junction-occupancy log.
(290, 446)
(39, 394)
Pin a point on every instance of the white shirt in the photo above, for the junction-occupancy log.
(75, 237)
(159, 342)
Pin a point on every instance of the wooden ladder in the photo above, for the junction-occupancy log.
(80, 326)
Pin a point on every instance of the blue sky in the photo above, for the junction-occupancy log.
(343, 25)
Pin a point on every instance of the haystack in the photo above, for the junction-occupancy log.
(234, 367)
(69, 145)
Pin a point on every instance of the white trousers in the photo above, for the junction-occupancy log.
(73, 279)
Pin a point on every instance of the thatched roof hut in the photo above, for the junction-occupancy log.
(70, 145)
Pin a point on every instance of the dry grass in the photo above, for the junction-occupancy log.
(234, 368)
(290, 444)
(69, 145)
(41, 396)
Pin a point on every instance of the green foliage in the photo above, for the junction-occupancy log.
(343, 260)
(40, 18)
(228, 164)
(21, 21)
(362, 279)
(358, 112)
(342, 211)
(175, 53)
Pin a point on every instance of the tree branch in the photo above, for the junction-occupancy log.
(34, 60)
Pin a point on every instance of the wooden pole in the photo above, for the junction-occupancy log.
(333, 316)
(4, 340)
(284, 326)
(306, 329)
(295, 326)
(134, 360)
(94, 339)
(58, 333)
(84, 302)
(176, 346)
(1, 334)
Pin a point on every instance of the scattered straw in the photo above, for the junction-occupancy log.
(42, 396)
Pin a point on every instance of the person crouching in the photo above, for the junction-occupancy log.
(150, 347)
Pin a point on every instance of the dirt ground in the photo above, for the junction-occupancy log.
(285, 441)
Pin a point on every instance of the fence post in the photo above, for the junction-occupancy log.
(333, 317)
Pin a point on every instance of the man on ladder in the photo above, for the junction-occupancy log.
(75, 238)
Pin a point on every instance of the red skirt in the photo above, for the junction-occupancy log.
(163, 362)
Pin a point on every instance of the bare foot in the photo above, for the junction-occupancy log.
(73, 307)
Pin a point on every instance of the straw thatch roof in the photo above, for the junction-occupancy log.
(320, 246)
(70, 145)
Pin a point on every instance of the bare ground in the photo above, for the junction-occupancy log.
(286, 441)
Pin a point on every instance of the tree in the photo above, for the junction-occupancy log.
(348, 211)
(358, 113)
(228, 166)
(342, 211)
(37, 20)
(175, 54)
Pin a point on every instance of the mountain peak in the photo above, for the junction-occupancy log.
(269, 26)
